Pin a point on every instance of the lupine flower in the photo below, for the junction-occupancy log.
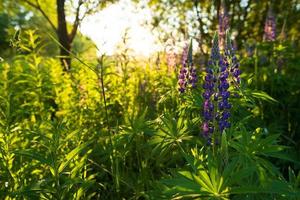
(188, 72)
(223, 25)
(224, 94)
(192, 70)
(220, 70)
(182, 78)
(270, 27)
(232, 60)
(210, 94)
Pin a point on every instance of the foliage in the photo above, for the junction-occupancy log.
(117, 127)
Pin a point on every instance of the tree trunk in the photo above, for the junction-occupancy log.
(63, 36)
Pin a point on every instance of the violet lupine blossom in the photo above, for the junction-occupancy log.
(221, 72)
(270, 27)
(188, 72)
(182, 78)
(193, 79)
(210, 94)
(223, 25)
(232, 60)
(223, 103)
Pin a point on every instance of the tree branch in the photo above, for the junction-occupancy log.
(38, 7)
(76, 22)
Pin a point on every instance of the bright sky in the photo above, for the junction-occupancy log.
(107, 27)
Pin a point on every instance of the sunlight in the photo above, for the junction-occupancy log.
(107, 27)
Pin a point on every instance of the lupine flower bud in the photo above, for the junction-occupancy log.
(270, 27)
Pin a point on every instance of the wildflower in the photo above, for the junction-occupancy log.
(232, 60)
(192, 70)
(270, 27)
(188, 72)
(183, 73)
(224, 95)
(221, 71)
(209, 93)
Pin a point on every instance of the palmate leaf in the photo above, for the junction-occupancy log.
(276, 187)
(183, 186)
(202, 184)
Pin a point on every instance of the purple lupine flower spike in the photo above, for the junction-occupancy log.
(270, 27)
(233, 62)
(182, 78)
(188, 72)
(224, 94)
(223, 24)
(221, 69)
(209, 93)
(192, 70)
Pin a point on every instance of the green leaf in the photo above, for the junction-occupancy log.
(224, 147)
(34, 155)
(263, 96)
(71, 155)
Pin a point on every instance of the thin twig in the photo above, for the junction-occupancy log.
(38, 7)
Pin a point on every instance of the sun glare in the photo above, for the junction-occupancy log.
(107, 28)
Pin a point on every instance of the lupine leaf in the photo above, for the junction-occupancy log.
(71, 155)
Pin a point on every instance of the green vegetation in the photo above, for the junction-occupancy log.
(116, 127)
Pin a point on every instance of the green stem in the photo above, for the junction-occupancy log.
(256, 69)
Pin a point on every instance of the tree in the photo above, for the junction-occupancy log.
(199, 19)
(78, 9)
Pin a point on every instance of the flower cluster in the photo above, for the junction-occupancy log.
(270, 27)
(221, 71)
(188, 72)
(234, 64)
(182, 78)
